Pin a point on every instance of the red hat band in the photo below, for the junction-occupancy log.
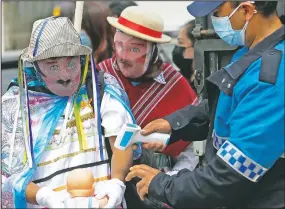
(139, 28)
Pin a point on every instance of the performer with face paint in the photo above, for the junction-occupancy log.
(51, 123)
(61, 75)
(155, 89)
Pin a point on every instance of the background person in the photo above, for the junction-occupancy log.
(183, 53)
(94, 29)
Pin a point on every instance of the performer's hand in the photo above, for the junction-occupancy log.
(48, 198)
(158, 126)
(114, 189)
(146, 174)
(103, 202)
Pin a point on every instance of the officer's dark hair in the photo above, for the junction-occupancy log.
(267, 8)
(117, 7)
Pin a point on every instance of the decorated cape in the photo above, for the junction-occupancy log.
(33, 147)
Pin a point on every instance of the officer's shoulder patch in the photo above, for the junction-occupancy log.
(270, 63)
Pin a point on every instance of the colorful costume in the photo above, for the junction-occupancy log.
(44, 135)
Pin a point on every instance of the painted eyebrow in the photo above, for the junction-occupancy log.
(52, 60)
(137, 44)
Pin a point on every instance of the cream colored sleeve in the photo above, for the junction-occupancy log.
(114, 115)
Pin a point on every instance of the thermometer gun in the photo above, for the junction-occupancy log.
(130, 134)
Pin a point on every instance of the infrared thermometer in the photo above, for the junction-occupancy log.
(130, 134)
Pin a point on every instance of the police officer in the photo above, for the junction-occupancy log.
(245, 147)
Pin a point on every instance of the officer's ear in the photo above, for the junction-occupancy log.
(249, 10)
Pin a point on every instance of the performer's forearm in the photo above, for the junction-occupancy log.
(122, 160)
(31, 193)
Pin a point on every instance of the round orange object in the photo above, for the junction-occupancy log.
(80, 183)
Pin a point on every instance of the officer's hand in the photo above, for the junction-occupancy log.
(154, 146)
(146, 174)
(156, 126)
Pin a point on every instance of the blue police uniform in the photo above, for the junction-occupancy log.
(244, 153)
(251, 120)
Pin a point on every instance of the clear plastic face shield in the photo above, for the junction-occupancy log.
(61, 75)
(133, 54)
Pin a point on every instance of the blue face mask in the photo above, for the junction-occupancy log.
(223, 28)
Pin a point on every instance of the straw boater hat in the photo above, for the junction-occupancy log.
(54, 37)
(138, 22)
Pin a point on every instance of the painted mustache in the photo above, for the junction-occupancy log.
(126, 63)
(64, 83)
